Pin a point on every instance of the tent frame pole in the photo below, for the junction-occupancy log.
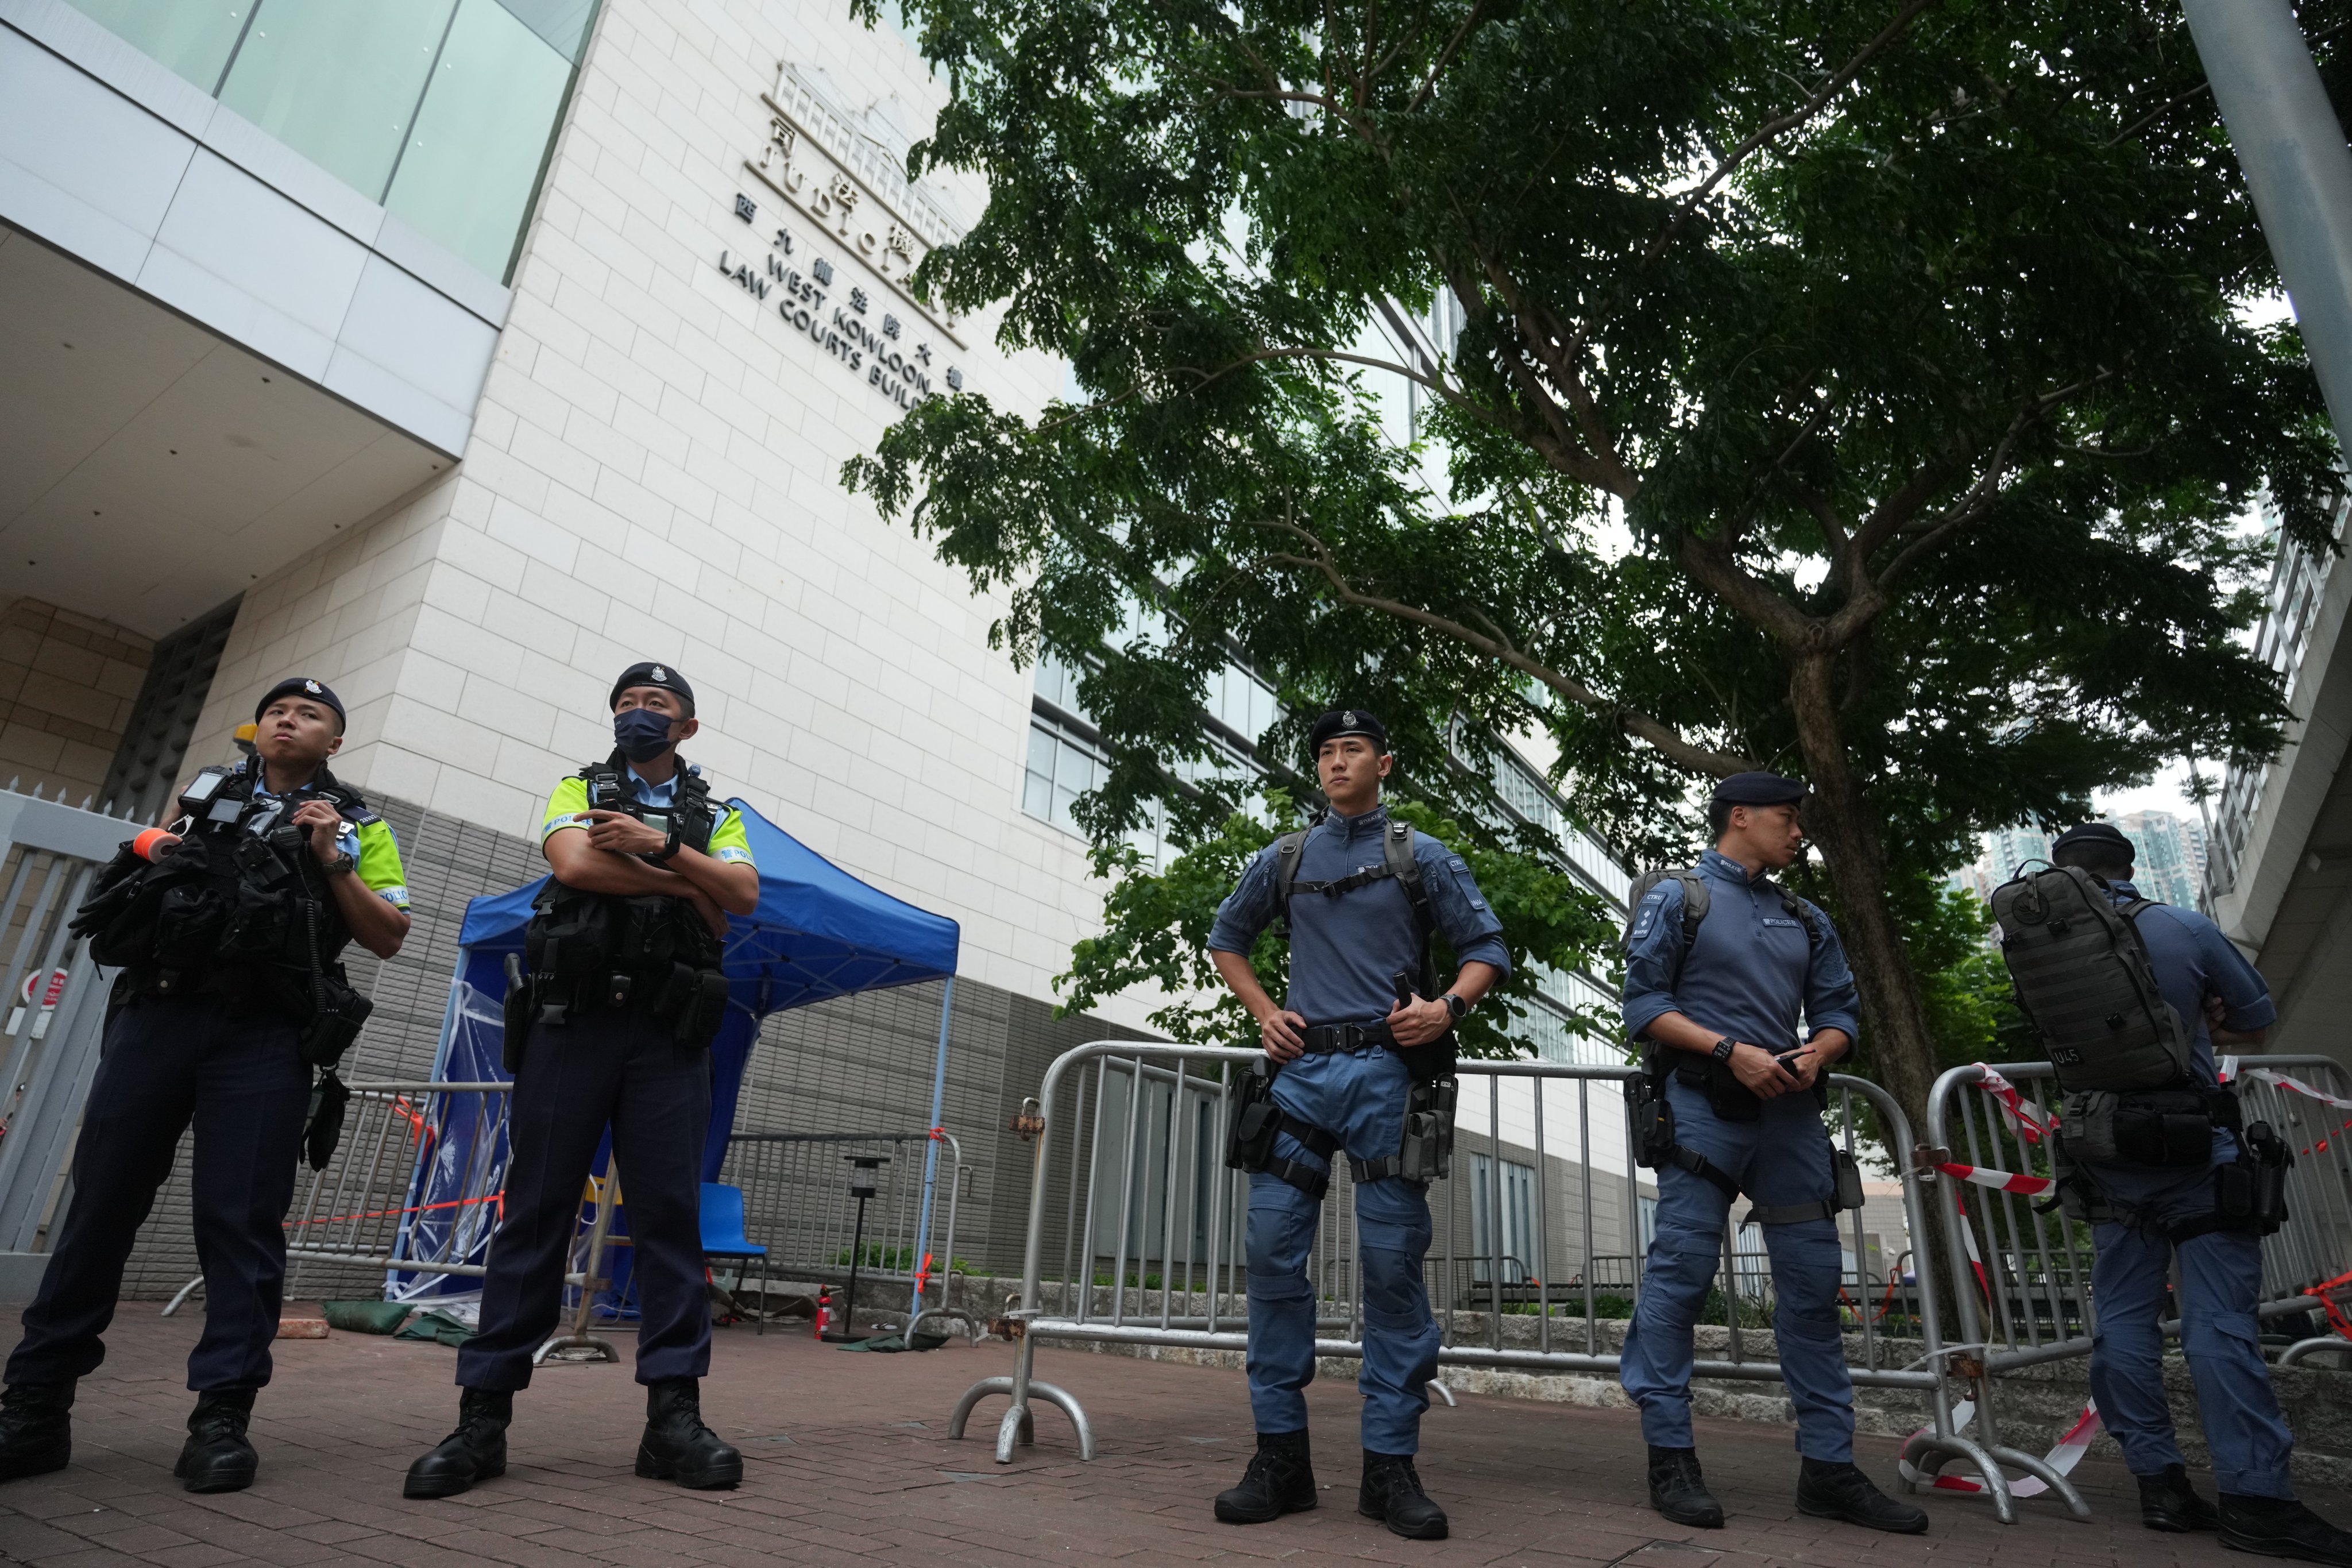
(931, 1163)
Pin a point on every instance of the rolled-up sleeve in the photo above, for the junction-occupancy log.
(1462, 911)
(1248, 910)
(1650, 957)
(2246, 1004)
(1831, 1000)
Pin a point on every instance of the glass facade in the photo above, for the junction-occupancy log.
(193, 37)
(338, 82)
(442, 110)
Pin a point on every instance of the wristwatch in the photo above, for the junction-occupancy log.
(342, 865)
(1456, 1006)
(667, 853)
(1724, 1048)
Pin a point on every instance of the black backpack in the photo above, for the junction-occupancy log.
(2082, 975)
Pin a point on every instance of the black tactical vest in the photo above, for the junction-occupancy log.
(238, 909)
(649, 952)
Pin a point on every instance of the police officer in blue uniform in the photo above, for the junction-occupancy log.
(227, 927)
(609, 1024)
(1354, 1050)
(2151, 1219)
(1744, 1009)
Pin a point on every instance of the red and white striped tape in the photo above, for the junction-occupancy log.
(1999, 1180)
(2062, 1458)
(2229, 1070)
(2032, 1125)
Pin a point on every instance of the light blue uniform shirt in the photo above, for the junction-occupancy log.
(1344, 949)
(1752, 973)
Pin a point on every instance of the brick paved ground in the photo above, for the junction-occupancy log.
(848, 1461)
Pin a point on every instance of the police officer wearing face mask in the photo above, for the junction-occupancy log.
(2150, 1220)
(613, 1015)
(1364, 1049)
(1722, 966)
(227, 926)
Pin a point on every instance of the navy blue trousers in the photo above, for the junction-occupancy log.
(1782, 1159)
(2220, 1282)
(244, 1083)
(1360, 1097)
(622, 1069)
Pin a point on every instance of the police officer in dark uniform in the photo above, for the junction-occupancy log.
(2150, 1220)
(227, 927)
(1356, 1051)
(1719, 999)
(614, 1017)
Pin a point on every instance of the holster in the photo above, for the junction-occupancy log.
(335, 1021)
(1427, 1154)
(1650, 1121)
(515, 1016)
(1249, 1137)
(702, 1005)
(324, 1131)
(2249, 1192)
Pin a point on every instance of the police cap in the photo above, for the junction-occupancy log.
(303, 686)
(2105, 834)
(1758, 789)
(1346, 722)
(651, 674)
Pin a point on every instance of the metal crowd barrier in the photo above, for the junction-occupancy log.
(366, 1210)
(797, 1203)
(2021, 1271)
(1150, 1233)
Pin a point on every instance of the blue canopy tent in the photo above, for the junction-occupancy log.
(818, 932)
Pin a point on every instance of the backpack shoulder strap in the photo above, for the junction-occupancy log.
(1799, 911)
(1286, 851)
(1396, 850)
(1696, 901)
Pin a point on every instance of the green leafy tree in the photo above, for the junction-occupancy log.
(1852, 388)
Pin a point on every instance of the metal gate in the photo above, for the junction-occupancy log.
(56, 1002)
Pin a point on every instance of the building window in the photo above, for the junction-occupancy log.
(1064, 764)
(1515, 1245)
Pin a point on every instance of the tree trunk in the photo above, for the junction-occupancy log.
(1901, 1049)
(1894, 1021)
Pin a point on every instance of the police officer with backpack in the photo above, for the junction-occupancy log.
(228, 926)
(1359, 1061)
(2155, 1154)
(609, 1024)
(1740, 995)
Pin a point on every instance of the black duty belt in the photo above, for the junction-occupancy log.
(1325, 1038)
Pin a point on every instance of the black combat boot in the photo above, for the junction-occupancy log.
(476, 1451)
(677, 1445)
(216, 1457)
(1391, 1492)
(36, 1433)
(1828, 1490)
(1280, 1479)
(2167, 1503)
(2282, 1527)
(1679, 1492)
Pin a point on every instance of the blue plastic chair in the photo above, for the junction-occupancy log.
(722, 1236)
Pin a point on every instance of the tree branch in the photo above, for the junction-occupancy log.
(1446, 55)
(1772, 130)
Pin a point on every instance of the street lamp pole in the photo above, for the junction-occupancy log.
(2291, 145)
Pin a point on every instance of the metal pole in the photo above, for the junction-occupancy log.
(2297, 167)
(931, 1158)
(856, 1256)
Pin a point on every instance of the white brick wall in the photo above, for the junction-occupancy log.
(653, 473)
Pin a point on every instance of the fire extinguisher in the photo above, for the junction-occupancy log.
(823, 1310)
